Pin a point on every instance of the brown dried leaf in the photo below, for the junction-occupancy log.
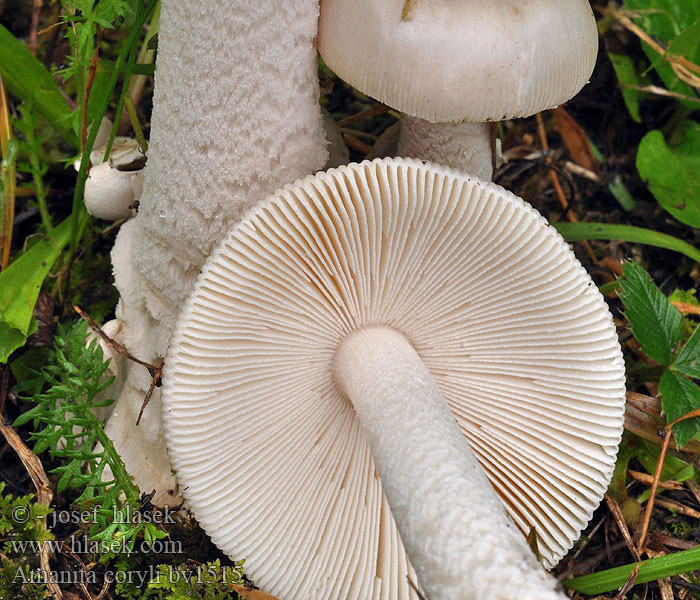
(687, 309)
(43, 315)
(643, 418)
(679, 508)
(575, 139)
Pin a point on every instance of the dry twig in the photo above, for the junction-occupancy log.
(43, 494)
(657, 477)
(156, 372)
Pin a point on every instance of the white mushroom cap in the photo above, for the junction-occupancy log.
(461, 61)
(113, 186)
(268, 451)
(109, 192)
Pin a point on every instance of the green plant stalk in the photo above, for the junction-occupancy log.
(649, 570)
(107, 66)
(131, 61)
(8, 181)
(32, 148)
(41, 193)
(573, 232)
(134, 118)
(78, 205)
(7, 201)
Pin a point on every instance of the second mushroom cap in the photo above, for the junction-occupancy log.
(446, 61)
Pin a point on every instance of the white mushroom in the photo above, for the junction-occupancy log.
(432, 318)
(453, 66)
(113, 186)
(109, 192)
(235, 115)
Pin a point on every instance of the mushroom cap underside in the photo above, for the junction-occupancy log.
(269, 453)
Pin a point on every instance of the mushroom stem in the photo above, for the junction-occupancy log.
(235, 116)
(457, 534)
(466, 147)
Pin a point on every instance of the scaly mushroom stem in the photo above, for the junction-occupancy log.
(457, 534)
(235, 116)
(466, 147)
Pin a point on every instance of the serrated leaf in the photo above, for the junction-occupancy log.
(68, 472)
(656, 323)
(673, 173)
(679, 396)
(688, 359)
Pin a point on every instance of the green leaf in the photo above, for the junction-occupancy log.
(627, 76)
(688, 359)
(668, 21)
(656, 323)
(572, 232)
(679, 396)
(649, 570)
(687, 42)
(673, 468)
(673, 174)
(665, 19)
(20, 284)
(30, 81)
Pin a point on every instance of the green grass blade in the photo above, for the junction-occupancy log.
(573, 232)
(30, 81)
(107, 66)
(649, 570)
